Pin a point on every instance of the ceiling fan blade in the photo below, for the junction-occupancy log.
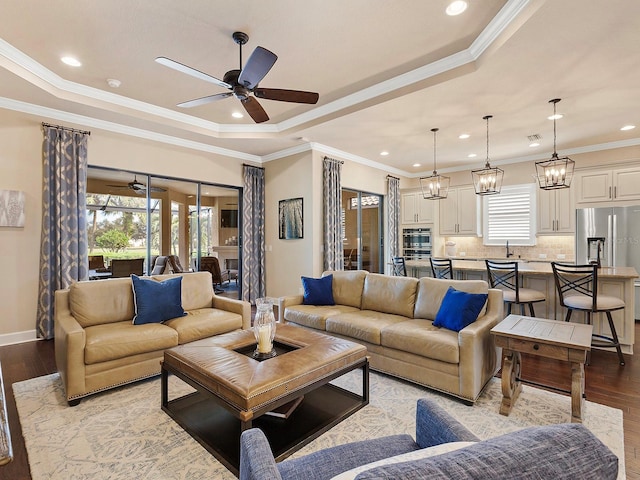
(118, 186)
(167, 62)
(255, 110)
(258, 65)
(204, 100)
(158, 189)
(295, 96)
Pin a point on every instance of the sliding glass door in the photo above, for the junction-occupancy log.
(362, 231)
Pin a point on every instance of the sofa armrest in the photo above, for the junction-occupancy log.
(236, 306)
(284, 302)
(435, 426)
(256, 459)
(69, 342)
(478, 353)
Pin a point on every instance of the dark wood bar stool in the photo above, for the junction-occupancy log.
(504, 275)
(399, 267)
(441, 267)
(577, 287)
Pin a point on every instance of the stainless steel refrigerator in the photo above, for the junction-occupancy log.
(611, 234)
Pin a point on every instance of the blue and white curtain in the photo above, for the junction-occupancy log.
(64, 246)
(332, 200)
(393, 214)
(253, 242)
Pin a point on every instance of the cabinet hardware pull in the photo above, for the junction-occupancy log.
(609, 192)
(615, 192)
(536, 346)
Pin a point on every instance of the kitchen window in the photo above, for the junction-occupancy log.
(510, 216)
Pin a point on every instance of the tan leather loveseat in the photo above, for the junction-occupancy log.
(97, 347)
(393, 316)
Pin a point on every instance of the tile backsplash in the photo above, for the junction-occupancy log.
(554, 247)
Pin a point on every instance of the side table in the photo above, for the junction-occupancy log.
(6, 451)
(547, 338)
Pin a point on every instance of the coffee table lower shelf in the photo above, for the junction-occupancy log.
(218, 430)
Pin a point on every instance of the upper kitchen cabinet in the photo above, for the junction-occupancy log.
(459, 212)
(556, 214)
(416, 209)
(613, 185)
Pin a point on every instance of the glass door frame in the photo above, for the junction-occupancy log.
(359, 244)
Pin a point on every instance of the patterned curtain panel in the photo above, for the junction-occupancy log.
(393, 196)
(332, 193)
(253, 268)
(64, 248)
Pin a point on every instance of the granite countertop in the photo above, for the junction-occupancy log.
(532, 268)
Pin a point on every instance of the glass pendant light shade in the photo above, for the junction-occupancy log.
(557, 172)
(487, 180)
(435, 186)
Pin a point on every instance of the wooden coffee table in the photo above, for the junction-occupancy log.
(234, 391)
(566, 341)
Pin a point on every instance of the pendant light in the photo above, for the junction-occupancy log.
(556, 172)
(487, 180)
(434, 187)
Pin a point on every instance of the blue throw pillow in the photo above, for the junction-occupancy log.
(155, 301)
(459, 309)
(318, 291)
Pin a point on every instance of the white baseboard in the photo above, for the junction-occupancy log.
(18, 337)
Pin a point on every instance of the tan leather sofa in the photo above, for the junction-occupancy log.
(393, 316)
(97, 347)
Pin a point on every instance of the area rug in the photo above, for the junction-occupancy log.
(123, 433)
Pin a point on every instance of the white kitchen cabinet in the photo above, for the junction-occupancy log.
(415, 208)
(459, 212)
(556, 213)
(613, 185)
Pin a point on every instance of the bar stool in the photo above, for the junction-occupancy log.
(399, 267)
(577, 287)
(505, 274)
(441, 267)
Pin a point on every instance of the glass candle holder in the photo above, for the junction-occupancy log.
(264, 326)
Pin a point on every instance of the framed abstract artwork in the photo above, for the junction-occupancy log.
(290, 218)
(11, 208)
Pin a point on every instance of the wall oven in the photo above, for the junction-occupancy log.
(416, 243)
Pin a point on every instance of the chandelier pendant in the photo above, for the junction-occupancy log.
(557, 172)
(487, 180)
(435, 186)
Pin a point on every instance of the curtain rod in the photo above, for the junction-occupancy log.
(85, 132)
(391, 176)
(252, 166)
(334, 160)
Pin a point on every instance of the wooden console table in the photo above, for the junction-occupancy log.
(566, 341)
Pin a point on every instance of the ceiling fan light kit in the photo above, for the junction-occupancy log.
(487, 180)
(557, 172)
(243, 82)
(435, 186)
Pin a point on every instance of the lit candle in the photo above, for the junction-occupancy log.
(264, 339)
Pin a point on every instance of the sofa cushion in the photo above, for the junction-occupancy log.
(99, 302)
(364, 325)
(347, 286)
(204, 323)
(318, 291)
(384, 293)
(420, 337)
(314, 316)
(123, 339)
(156, 302)
(197, 289)
(431, 291)
(404, 457)
(459, 309)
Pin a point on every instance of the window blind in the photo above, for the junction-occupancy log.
(510, 216)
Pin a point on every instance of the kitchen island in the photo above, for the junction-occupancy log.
(615, 281)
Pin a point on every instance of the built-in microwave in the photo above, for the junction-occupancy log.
(416, 243)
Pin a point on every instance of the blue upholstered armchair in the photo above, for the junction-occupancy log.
(565, 451)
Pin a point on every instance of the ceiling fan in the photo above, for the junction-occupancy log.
(138, 187)
(243, 82)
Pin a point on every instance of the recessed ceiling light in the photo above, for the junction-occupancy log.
(472, 155)
(384, 153)
(237, 115)
(464, 136)
(628, 127)
(534, 144)
(557, 116)
(73, 62)
(456, 8)
(417, 164)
